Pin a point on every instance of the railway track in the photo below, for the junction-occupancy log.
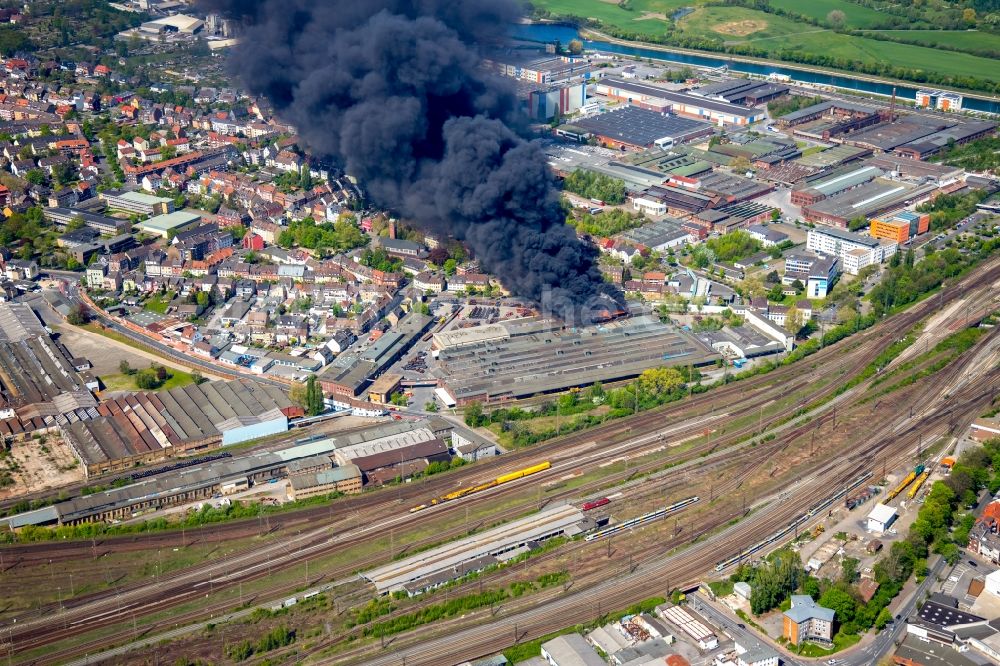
(750, 460)
(859, 351)
(656, 574)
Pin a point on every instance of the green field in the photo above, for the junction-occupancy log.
(121, 382)
(737, 24)
(641, 17)
(901, 55)
(856, 15)
(964, 40)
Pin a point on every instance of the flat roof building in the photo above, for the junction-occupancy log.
(539, 357)
(660, 99)
(163, 225)
(880, 518)
(638, 129)
(137, 202)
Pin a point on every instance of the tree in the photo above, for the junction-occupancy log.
(849, 570)
(752, 287)
(740, 165)
(450, 266)
(793, 320)
(202, 298)
(474, 414)
(78, 315)
(313, 397)
(305, 179)
(430, 406)
(125, 368)
(659, 381)
(297, 394)
(198, 378)
(836, 19)
(839, 601)
(576, 46)
(148, 380)
(35, 176)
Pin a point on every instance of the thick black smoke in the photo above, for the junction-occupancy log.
(393, 91)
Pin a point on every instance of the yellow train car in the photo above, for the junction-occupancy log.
(527, 471)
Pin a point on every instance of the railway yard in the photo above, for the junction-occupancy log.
(676, 494)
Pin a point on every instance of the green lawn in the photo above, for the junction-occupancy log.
(840, 642)
(122, 382)
(856, 15)
(158, 303)
(739, 24)
(639, 18)
(964, 40)
(901, 55)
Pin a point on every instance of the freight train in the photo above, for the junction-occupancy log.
(907, 480)
(792, 526)
(916, 484)
(505, 478)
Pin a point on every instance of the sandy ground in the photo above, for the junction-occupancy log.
(38, 465)
(740, 28)
(106, 354)
(651, 16)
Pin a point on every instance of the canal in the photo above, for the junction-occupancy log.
(539, 32)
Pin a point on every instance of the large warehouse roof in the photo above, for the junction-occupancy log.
(679, 98)
(640, 127)
(540, 361)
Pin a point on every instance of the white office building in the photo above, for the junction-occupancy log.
(853, 250)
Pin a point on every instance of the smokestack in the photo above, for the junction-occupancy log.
(392, 229)
(892, 106)
(393, 91)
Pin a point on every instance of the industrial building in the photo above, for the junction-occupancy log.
(831, 113)
(351, 373)
(854, 250)
(635, 128)
(145, 427)
(901, 227)
(537, 66)
(880, 518)
(869, 200)
(536, 357)
(201, 478)
(543, 102)
(662, 100)
(833, 184)
(424, 571)
(660, 235)
(343, 479)
(931, 144)
(742, 91)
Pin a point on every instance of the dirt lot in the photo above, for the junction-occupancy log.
(740, 28)
(39, 464)
(107, 354)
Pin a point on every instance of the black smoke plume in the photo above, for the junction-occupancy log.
(394, 92)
